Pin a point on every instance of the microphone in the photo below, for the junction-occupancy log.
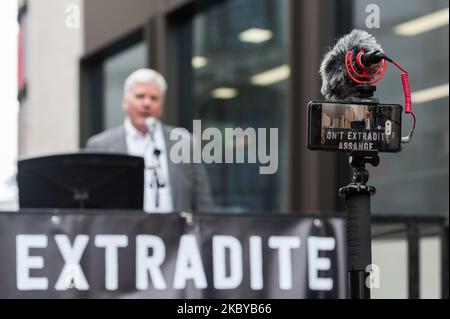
(373, 57)
(336, 83)
(150, 122)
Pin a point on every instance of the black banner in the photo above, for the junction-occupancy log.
(129, 255)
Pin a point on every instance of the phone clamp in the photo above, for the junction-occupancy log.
(364, 93)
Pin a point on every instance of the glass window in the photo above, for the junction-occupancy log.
(416, 180)
(115, 71)
(239, 71)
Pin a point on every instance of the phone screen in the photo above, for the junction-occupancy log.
(351, 127)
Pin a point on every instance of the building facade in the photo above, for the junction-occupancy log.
(241, 63)
(236, 64)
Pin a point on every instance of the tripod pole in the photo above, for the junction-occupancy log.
(357, 216)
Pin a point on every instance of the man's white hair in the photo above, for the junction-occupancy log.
(144, 76)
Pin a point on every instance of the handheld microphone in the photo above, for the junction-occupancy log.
(336, 83)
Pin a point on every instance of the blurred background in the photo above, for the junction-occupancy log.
(242, 63)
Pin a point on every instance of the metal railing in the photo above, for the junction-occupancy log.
(414, 228)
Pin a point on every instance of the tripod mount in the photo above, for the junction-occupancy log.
(357, 212)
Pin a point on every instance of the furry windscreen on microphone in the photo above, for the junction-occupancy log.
(336, 84)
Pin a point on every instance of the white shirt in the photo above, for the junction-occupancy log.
(156, 199)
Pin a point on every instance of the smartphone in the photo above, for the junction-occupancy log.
(354, 127)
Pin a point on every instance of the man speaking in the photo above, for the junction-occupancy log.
(168, 187)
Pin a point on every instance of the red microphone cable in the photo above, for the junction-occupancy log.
(370, 76)
(408, 100)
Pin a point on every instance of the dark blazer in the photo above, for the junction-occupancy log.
(189, 182)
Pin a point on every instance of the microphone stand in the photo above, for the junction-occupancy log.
(357, 212)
